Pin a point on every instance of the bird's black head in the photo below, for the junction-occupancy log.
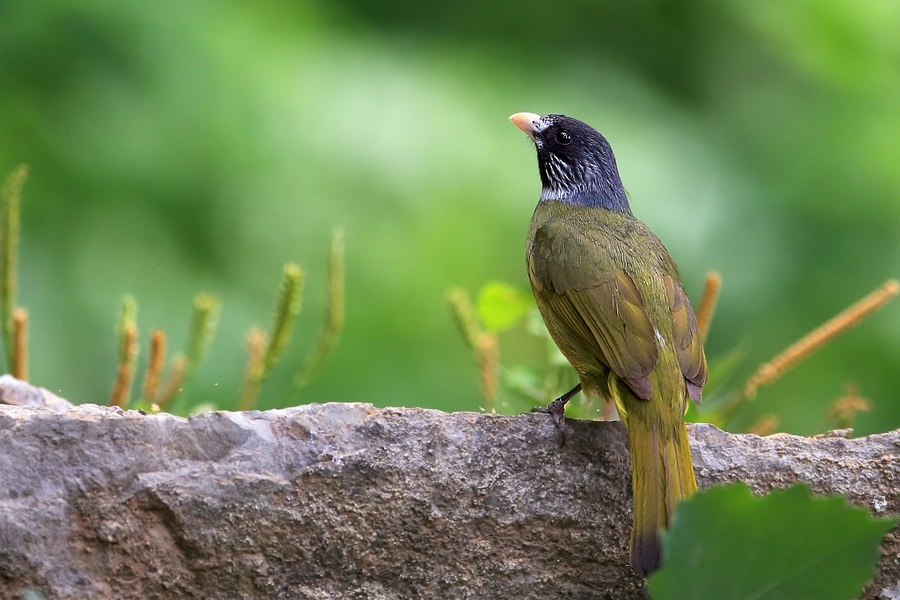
(576, 163)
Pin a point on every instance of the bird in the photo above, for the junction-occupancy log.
(612, 300)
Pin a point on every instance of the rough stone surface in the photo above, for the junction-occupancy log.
(352, 502)
(19, 393)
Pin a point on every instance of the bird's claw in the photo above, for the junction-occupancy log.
(556, 410)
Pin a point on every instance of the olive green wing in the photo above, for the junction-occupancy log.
(686, 335)
(594, 301)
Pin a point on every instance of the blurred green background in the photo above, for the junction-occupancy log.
(180, 147)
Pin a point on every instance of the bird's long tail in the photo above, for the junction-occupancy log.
(661, 475)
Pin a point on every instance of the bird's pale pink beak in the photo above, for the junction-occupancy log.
(530, 123)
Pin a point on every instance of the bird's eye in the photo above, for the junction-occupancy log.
(563, 137)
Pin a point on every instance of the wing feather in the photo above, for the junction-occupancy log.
(686, 334)
(599, 308)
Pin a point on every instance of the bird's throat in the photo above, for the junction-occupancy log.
(614, 200)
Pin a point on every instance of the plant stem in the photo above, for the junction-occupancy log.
(10, 216)
(334, 314)
(126, 332)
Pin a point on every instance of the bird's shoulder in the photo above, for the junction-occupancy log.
(574, 247)
(577, 268)
(610, 272)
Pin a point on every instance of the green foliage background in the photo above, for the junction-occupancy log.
(183, 147)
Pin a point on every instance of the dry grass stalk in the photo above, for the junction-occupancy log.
(265, 350)
(708, 303)
(330, 332)
(766, 425)
(336, 277)
(126, 334)
(10, 217)
(204, 321)
(175, 381)
(155, 363)
(843, 411)
(464, 316)
(286, 310)
(125, 372)
(778, 366)
(257, 342)
(20, 344)
(488, 348)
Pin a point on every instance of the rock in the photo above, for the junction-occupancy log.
(349, 501)
(887, 594)
(19, 393)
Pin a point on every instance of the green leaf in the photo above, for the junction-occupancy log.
(728, 544)
(501, 306)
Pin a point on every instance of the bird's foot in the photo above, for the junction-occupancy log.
(557, 411)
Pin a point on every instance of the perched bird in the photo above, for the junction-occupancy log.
(612, 300)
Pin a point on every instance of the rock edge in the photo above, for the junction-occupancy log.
(350, 501)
